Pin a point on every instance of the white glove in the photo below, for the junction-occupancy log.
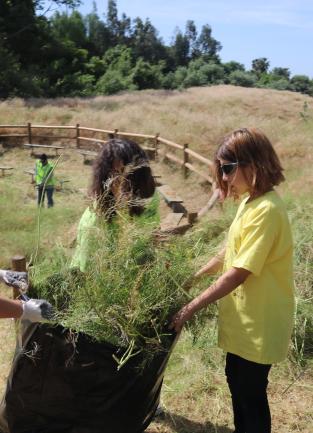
(15, 279)
(37, 310)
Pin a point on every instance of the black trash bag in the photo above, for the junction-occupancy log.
(63, 386)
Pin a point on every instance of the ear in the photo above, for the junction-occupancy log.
(250, 173)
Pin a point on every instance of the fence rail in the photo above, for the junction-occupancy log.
(184, 162)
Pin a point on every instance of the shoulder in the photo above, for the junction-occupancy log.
(88, 218)
(269, 202)
(268, 208)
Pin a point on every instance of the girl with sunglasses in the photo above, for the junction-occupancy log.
(255, 290)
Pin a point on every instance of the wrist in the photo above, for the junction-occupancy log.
(19, 309)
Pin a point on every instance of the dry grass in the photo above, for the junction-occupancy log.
(7, 338)
(198, 116)
(195, 392)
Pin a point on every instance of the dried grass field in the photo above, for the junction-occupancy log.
(195, 394)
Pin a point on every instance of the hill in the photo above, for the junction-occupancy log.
(195, 392)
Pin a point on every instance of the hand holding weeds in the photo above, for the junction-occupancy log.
(182, 316)
(37, 310)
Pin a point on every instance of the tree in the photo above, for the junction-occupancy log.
(260, 66)
(112, 18)
(208, 46)
(180, 49)
(98, 35)
(146, 43)
(233, 66)
(71, 27)
(191, 36)
(281, 73)
(240, 78)
(302, 83)
(147, 76)
(280, 84)
(118, 64)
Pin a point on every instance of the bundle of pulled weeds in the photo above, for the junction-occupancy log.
(132, 287)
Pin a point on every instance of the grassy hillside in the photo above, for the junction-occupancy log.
(195, 391)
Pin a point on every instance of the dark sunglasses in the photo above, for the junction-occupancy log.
(229, 167)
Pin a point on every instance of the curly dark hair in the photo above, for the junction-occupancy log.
(250, 147)
(138, 181)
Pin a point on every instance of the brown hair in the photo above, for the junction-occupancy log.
(250, 147)
(137, 175)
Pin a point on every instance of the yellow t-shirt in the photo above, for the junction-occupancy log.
(256, 319)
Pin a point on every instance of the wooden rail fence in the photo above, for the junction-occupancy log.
(31, 132)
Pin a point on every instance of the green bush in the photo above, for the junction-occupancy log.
(240, 78)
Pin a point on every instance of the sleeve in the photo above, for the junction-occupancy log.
(87, 233)
(257, 239)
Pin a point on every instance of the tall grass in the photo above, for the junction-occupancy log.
(132, 286)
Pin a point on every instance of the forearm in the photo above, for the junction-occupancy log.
(222, 287)
(213, 266)
(10, 308)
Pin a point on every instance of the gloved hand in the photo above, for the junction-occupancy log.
(15, 279)
(37, 310)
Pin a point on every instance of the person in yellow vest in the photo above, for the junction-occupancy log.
(45, 180)
(256, 289)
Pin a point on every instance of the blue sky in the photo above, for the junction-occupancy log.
(280, 30)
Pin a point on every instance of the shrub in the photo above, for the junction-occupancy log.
(240, 78)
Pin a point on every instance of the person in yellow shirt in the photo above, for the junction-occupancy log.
(256, 289)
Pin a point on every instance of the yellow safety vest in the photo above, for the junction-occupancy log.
(44, 172)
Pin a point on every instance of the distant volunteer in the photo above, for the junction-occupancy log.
(45, 180)
(34, 310)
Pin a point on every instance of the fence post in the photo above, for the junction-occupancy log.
(186, 159)
(115, 134)
(77, 134)
(19, 265)
(29, 128)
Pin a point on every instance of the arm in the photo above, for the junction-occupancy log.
(213, 266)
(34, 310)
(222, 287)
(10, 309)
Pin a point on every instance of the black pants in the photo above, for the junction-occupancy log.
(49, 191)
(247, 382)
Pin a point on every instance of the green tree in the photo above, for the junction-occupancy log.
(118, 64)
(180, 49)
(302, 83)
(260, 66)
(233, 66)
(191, 36)
(281, 73)
(280, 84)
(208, 46)
(71, 27)
(201, 72)
(147, 76)
(241, 78)
(98, 35)
(146, 43)
(112, 19)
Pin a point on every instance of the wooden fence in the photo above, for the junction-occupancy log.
(182, 157)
